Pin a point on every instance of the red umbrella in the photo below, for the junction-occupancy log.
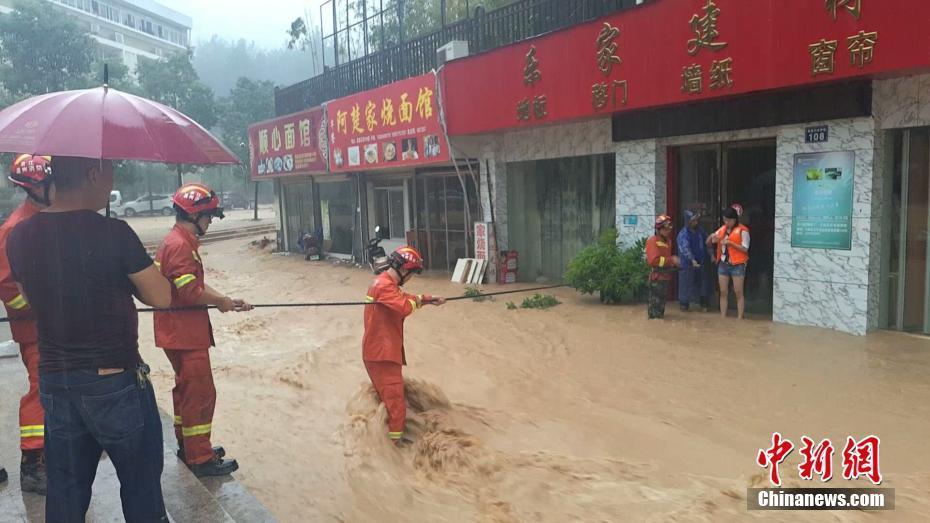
(108, 124)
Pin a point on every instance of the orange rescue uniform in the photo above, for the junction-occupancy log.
(659, 257)
(186, 337)
(383, 345)
(31, 415)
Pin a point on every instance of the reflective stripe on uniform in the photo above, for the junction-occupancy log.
(369, 299)
(184, 280)
(395, 435)
(32, 431)
(17, 303)
(196, 430)
(662, 261)
(177, 420)
(413, 303)
(157, 264)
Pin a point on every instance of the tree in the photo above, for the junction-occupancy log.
(174, 82)
(249, 102)
(42, 51)
(220, 63)
(402, 20)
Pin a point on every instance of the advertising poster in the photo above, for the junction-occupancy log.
(823, 200)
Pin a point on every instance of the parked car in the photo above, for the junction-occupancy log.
(234, 200)
(155, 203)
(116, 202)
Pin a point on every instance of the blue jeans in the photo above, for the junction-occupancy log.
(85, 414)
(736, 271)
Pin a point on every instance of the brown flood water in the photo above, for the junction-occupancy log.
(580, 413)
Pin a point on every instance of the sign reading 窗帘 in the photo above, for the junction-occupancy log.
(288, 146)
(823, 200)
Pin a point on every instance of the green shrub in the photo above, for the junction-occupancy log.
(540, 301)
(475, 294)
(511, 306)
(618, 276)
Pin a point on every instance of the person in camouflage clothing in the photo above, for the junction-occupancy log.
(664, 265)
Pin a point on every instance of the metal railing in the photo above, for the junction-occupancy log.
(483, 31)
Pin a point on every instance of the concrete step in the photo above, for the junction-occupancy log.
(187, 498)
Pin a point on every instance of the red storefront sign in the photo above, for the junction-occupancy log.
(288, 146)
(393, 126)
(669, 52)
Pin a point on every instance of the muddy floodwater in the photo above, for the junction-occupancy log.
(583, 412)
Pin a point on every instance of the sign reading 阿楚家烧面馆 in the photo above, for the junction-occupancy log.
(822, 205)
(396, 125)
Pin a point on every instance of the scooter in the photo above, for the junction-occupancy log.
(377, 258)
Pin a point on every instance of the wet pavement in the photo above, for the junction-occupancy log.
(187, 499)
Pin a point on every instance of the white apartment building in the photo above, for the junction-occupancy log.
(126, 29)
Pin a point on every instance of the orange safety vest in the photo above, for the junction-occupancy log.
(736, 257)
(179, 262)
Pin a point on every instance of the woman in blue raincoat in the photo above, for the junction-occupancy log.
(693, 284)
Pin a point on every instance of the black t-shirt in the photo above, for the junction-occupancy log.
(74, 267)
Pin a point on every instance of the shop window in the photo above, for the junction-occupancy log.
(555, 208)
(444, 228)
(389, 212)
(907, 296)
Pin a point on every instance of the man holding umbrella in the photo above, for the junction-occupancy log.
(79, 271)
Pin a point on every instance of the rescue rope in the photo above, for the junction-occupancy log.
(326, 304)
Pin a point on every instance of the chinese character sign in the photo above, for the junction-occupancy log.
(860, 459)
(823, 200)
(288, 146)
(482, 240)
(665, 53)
(388, 127)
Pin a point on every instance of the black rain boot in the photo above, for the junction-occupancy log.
(217, 451)
(32, 477)
(215, 467)
(3, 476)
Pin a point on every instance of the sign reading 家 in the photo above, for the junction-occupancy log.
(823, 200)
(393, 126)
(288, 146)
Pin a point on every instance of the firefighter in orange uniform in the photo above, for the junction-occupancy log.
(186, 336)
(664, 265)
(33, 174)
(383, 342)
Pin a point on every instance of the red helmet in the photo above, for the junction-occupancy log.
(194, 199)
(663, 220)
(407, 258)
(31, 172)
